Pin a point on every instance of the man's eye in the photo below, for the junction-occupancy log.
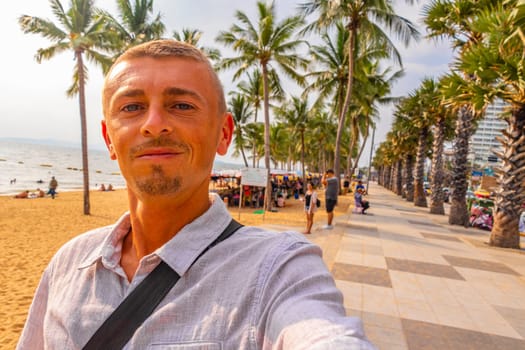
(131, 108)
(183, 106)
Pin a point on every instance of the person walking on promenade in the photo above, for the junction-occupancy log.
(310, 206)
(53, 184)
(331, 184)
(177, 271)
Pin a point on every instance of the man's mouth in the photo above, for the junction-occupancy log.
(156, 153)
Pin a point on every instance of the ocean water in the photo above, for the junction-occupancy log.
(29, 163)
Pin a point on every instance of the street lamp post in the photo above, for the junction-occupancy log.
(370, 161)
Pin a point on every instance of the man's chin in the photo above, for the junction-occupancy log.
(159, 187)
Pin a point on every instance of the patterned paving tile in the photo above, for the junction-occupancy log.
(365, 248)
(424, 223)
(484, 265)
(363, 230)
(484, 244)
(361, 274)
(471, 231)
(515, 317)
(386, 205)
(423, 268)
(442, 237)
(407, 210)
(424, 335)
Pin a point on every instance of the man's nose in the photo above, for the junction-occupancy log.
(157, 122)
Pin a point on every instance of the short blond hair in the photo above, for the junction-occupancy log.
(168, 48)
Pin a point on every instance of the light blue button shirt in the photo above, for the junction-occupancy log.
(256, 290)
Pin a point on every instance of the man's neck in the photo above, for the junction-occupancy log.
(154, 223)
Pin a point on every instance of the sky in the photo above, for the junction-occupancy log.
(33, 95)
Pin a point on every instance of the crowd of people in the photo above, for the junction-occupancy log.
(286, 188)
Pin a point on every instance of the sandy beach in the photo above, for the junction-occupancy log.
(31, 230)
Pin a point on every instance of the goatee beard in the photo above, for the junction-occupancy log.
(158, 183)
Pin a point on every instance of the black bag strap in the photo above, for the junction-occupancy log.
(120, 326)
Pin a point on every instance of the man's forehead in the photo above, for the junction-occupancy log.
(117, 69)
(123, 69)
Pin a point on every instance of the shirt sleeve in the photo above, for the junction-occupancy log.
(301, 308)
(33, 333)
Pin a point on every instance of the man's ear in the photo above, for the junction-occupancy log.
(107, 140)
(225, 137)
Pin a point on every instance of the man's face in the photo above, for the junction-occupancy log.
(163, 124)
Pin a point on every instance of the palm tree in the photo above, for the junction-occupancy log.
(192, 37)
(497, 64)
(80, 31)
(452, 20)
(371, 88)
(330, 63)
(431, 101)
(295, 114)
(412, 107)
(263, 45)
(136, 23)
(253, 91)
(406, 142)
(241, 112)
(281, 143)
(255, 138)
(358, 16)
(321, 132)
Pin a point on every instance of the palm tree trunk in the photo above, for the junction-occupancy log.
(83, 129)
(511, 174)
(392, 177)
(349, 162)
(399, 177)
(403, 179)
(420, 199)
(244, 157)
(268, 195)
(458, 203)
(409, 168)
(302, 154)
(385, 176)
(346, 104)
(356, 161)
(254, 146)
(437, 197)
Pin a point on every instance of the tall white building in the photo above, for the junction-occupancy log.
(484, 139)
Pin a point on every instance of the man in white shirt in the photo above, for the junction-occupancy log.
(164, 119)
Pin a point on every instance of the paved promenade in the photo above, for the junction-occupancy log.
(419, 283)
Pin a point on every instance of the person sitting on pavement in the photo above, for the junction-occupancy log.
(360, 186)
(360, 202)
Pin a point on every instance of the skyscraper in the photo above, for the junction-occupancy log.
(484, 139)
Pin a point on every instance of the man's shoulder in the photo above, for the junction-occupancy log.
(271, 234)
(269, 240)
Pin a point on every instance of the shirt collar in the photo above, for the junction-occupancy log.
(182, 250)
(109, 250)
(179, 252)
